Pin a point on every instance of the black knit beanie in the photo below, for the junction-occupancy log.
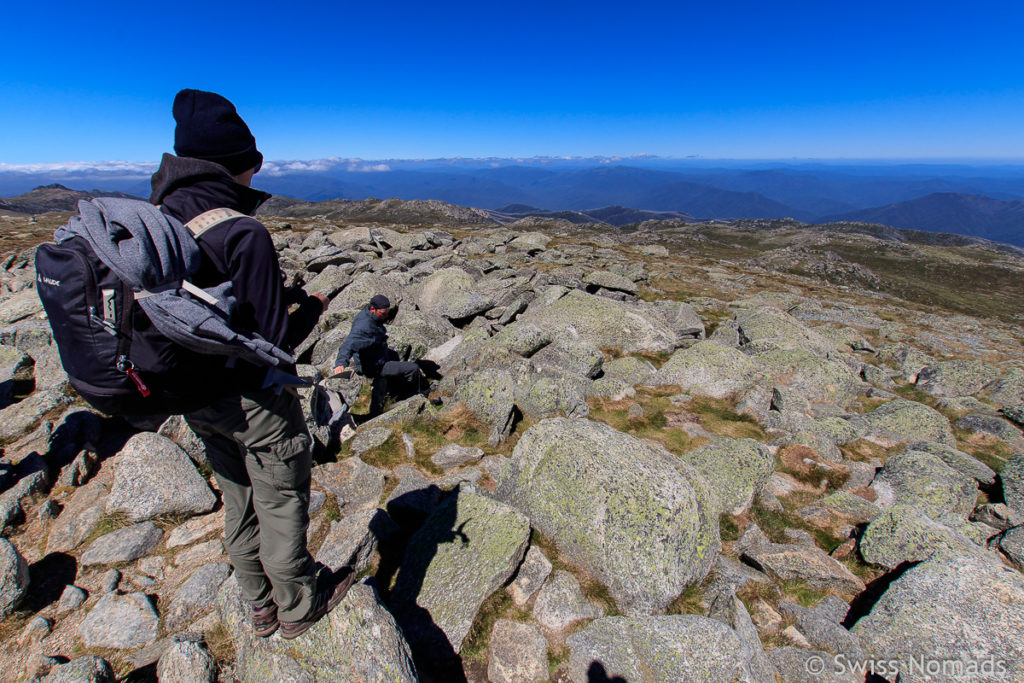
(210, 128)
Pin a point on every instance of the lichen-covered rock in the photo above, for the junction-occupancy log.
(522, 338)
(532, 574)
(737, 470)
(1012, 479)
(355, 485)
(368, 439)
(730, 610)
(958, 460)
(454, 455)
(442, 287)
(80, 516)
(153, 476)
(567, 355)
(708, 369)
(807, 564)
(84, 669)
(186, 662)
(657, 649)
(13, 578)
(120, 622)
(17, 419)
(993, 426)
(815, 378)
(680, 317)
(958, 609)
(603, 322)
(197, 595)
(766, 327)
(123, 545)
(518, 653)
(924, 481)
(628, 369)
(467, 549)
(490, 394)
(903, 534)
(798, 665)
(900, 421)
(561, 602)
(357, 641)
(849, 505)
(541, 396)
(602, 495)
(353, 541)
(956, 377)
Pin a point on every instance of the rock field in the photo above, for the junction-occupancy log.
(640, 465)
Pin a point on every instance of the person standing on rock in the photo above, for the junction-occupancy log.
(367, 343)
(255, 438)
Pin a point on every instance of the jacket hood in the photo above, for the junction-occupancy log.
(176, 172)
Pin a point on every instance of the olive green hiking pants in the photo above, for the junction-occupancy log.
(260, 451)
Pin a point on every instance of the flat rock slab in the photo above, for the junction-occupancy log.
(849, 505)
(353, 541)
(369, 439)
(532, 574)
(602, 495)
(357, 641)
(454, 455)
(80, 516)
(960, 609)
(958, 460)
(85, 669)
(561, 603)
(196, 529)
(792, 562)
(465, 551)
(196, 596)
(518, 653)
(954, 378)
(123, 545)
(120, 622)
(355, 485)
(668, 648)
(153, 476)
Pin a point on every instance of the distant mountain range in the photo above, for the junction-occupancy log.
(980, 200)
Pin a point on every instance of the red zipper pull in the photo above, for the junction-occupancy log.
(126, 366)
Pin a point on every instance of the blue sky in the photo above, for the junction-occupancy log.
(756, 80)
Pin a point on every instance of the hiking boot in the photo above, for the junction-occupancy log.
(328, 594)
(264, 620)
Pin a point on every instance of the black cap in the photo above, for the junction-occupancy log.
(380, 301)
(209, 128)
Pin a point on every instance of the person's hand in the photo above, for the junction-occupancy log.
(340, 369)
(324, 301)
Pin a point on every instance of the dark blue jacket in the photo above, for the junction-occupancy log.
(367, 341)
(239, 250)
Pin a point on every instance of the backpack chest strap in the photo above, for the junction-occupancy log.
(204, 221)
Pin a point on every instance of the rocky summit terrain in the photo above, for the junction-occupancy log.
(660, 452)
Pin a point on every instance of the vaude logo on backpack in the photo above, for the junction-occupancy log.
(132, 330)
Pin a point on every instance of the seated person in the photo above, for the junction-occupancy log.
(367, 343)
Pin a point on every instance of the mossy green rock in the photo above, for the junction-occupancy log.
(708, 369)
(466, 550)
(849, 505)
(357, 641)
(440, 288)
(604, 497)
(365, 285)
(657, 649)
(603, 322)
(567, 355)
(922, 480)
(737, 470)
(610, 280)
(959, 610)
(901, 421)
(815, 378)
(956, 377)
(902, 534)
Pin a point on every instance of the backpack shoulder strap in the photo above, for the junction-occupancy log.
(204, 221)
